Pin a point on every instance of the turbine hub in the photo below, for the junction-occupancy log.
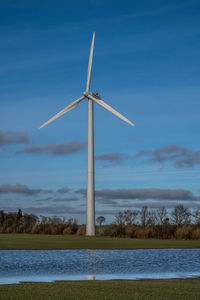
(85, 94)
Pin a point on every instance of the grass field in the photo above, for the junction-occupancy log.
(183, 289)
(33, 241)
(177, 289)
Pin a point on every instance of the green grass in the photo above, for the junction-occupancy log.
(40, 241)
(177, 289)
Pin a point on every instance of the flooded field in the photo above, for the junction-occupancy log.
(51, 265)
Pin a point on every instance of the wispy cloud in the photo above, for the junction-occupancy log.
(113, 158)
(179, 156)
(66, 199)
(189, 161)
(148, 193)
(142, 194)
(54, 210)
(21, 189)
(155, 204)
(63, 190)
(9, 138)
(56, 199)
(54, 149)
(81, 191)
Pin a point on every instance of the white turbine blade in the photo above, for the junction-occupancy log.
(109, 108)
(90, 64)
(65, 110)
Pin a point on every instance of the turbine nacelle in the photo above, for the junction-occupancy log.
(96, 95)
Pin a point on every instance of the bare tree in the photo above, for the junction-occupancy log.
(44, 220)
(196, 216)
(152, 217)
(144, 216)
(161, 215)
(2, 217)
(29, 220)
(130, 216)
(55, 221)
(181, 215)
(119, 218)
(100, 220)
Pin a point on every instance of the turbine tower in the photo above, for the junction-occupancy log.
(92, 97)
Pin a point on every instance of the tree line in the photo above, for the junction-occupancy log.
(179, 223)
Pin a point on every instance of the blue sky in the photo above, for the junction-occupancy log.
(146, 66)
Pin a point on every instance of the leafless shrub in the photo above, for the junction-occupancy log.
(81, 230)
(184, 232)
(196, 233)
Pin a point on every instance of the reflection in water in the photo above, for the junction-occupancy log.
(51, 265)
(90, 277)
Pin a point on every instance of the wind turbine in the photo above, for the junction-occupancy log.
(92, 97)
